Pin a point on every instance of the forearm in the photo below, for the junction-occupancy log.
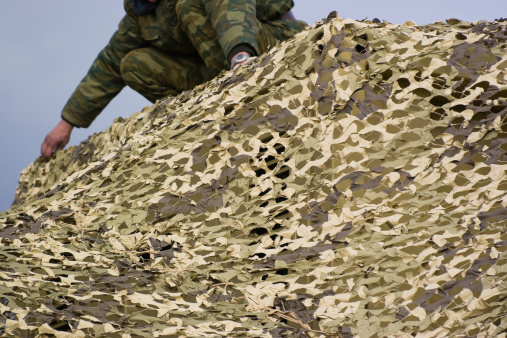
(235, 23)
(102, 83)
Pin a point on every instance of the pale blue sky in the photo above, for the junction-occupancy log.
(47, 47)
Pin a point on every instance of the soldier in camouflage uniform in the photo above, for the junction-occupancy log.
(163, 47)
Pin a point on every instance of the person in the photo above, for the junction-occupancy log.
(163, 47)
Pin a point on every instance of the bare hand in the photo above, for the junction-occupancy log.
(56, 139)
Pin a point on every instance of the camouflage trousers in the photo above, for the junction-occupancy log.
(155, 73)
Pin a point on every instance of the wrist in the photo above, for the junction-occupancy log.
(242, 47)
(239, 59)
(65, 125)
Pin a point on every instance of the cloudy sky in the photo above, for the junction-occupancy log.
(47, 47)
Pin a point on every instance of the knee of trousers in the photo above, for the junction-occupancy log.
(138, 74)
(131, 69)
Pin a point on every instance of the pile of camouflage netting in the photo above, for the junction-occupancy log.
(353, 181)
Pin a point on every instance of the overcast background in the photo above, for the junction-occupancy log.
(47, 47)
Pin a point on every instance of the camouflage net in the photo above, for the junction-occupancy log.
(352, 182)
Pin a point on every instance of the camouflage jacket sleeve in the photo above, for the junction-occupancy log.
(103, 81)
(235, 21)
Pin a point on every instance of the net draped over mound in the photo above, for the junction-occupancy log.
(353, 181)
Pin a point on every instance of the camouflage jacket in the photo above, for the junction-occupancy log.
(160, 29)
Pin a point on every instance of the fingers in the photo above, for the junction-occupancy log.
(44, 151)
(48, 148)
(52, 144)
(60, 146)
(239, 64)
(56, 140)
